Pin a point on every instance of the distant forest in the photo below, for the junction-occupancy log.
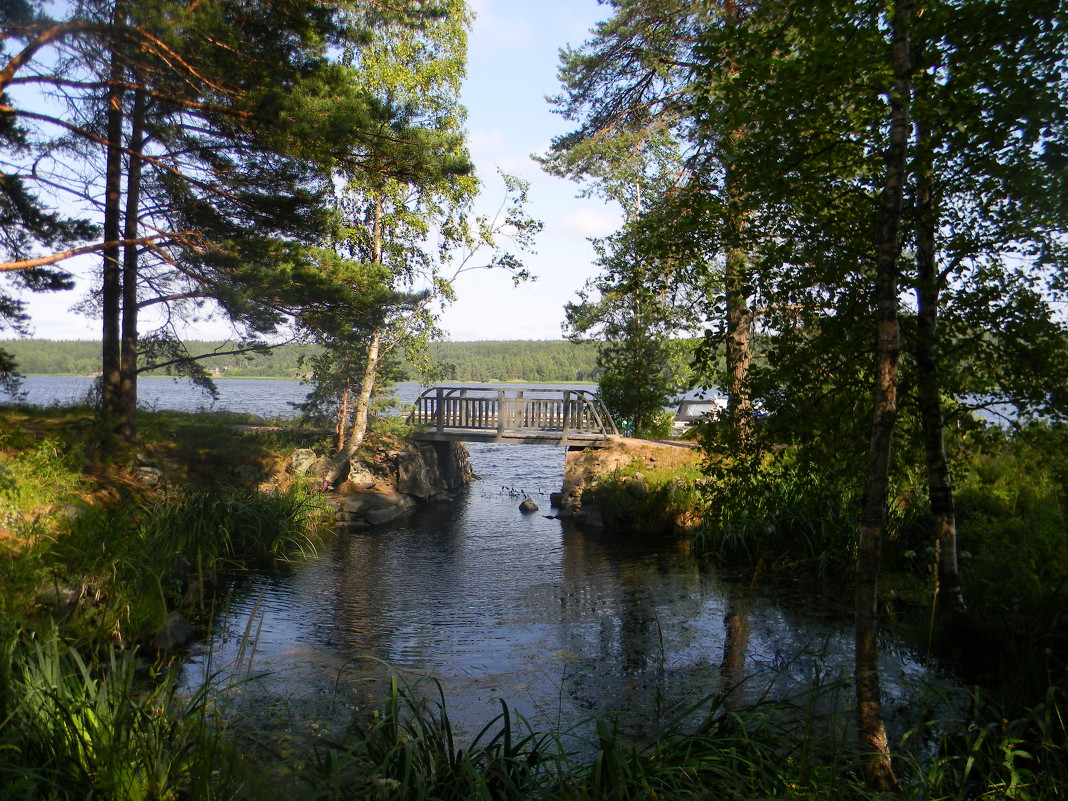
(543, 361)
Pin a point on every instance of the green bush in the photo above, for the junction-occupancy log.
(1012, 505)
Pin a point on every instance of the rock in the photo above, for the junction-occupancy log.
(174, 633)
(353, 524)
(320, 467)
(197, 591)
(149, 476)
(353, 506)
(377, 517)
(380, 499)
(430, 469)
(179, 574)
(636, 486)
(248, 473)
(528, 506)
(555, 499)
(59, 596)
(360, 477)
(418, 473)
(589, 516)
(301, 460)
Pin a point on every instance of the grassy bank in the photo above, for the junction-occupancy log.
(97, 562)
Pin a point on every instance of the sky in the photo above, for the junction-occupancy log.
(513, 59)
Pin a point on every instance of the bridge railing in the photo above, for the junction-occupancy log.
(516, 412)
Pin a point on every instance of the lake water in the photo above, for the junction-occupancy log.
(490, 604)
(266, 398)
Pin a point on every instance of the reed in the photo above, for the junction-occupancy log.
(73, 729)
(145, 558)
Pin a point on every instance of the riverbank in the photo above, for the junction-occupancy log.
(179, 745)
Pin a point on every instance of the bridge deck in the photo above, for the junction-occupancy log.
(528, 416)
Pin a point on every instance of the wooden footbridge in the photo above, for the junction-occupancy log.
(523, 416)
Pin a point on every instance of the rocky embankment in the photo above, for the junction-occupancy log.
(388, 479)
(605, 486)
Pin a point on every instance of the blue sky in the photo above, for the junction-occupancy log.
(514, 54)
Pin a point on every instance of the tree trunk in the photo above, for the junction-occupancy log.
(343, 415)
(736, 294)
(111, 282)
(929, 394)
(128, 359)
(870, 726)
(739, 336)
(362, 412)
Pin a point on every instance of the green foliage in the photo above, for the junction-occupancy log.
(779, 511)
(549, 361)
(408, 752)
(72, 729)
(1012, 504)
(160, 554)
(648, 501)
(638, 381)
(45, 474)
(790, 513)
(537, 361)
(789, 749)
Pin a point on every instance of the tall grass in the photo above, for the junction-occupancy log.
(159, 554)
(788, 749)
(71, 729)
(44, 474)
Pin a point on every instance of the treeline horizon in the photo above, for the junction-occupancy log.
(481, 360)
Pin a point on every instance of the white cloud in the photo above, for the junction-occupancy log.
(496, 30)
(491, 151)
(589, 221)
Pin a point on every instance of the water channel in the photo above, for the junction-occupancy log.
(493, 604)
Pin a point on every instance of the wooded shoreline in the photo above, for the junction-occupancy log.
(538, 361)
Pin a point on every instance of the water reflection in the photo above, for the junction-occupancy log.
(495, 604)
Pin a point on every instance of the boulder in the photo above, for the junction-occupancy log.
(359, 476)
(528, 506)
(384, 514)
(248, 473)
(429, 469)
(301, 460)
(149, 476)
(320, 467)
(416, 473)
(589, 516)
(174, 633)
(354, 505)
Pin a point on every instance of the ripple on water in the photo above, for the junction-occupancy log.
(492, 603)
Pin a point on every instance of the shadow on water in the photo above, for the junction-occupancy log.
(491, 603)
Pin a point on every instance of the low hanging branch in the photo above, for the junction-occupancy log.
(55, 258)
